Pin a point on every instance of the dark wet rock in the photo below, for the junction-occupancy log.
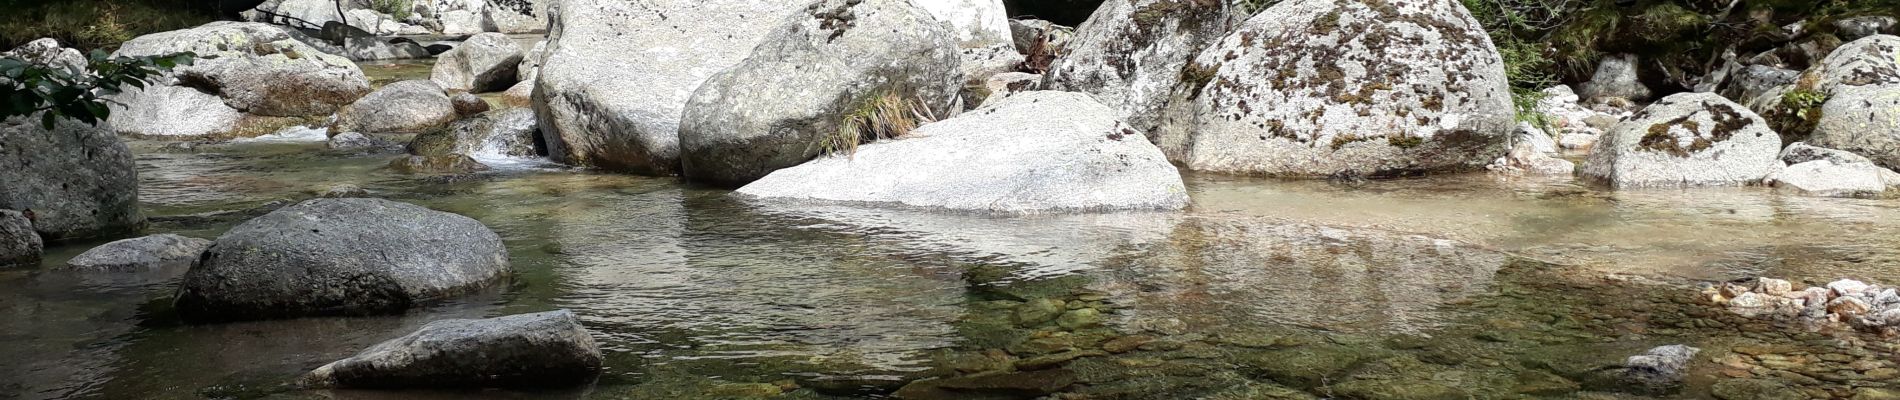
(1322, 88)
(799, 88)
(468, 104)
(601, 109)
(1131, 54)
(150, 253)
(1756, 81)
(1012, 157)
(1660, 370)
(1685, 140)
(1080, 318)
(340, 257)
(1402, 389)
(1307, 366)
(1001, 385)
(19, 245)
(1616, 76)
(484, 63)
(1754, 389)
(257, 68)
(75, 181)
(1864, 120)
(402, 107)
(437, 49)
(359, 141)
(1039, 311)
(452, 164)
(1048, 361)
(525, 350)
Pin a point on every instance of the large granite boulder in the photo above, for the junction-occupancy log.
(165, 111)
(483, 63)
(1818, 171)
(150, 253)
(803, 87)
(516, 16)
(531, 62)
(501, 133)
(973, 23)
(257, 68)
(340, 257)
(1686, 139)
(75, 181)
(617, 75)
(402, 107)
(529, 350)
(1864, 120)
(1870, 61)
(1032, 152)
(1313, 88)
(20, 246)
(1131, 54)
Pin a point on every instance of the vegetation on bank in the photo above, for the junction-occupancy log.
(56, 91)
(99, 24)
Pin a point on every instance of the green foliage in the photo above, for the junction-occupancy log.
(28, 88)
(97, 24)
(1516, 27)
(1803, 99)
(398, 9)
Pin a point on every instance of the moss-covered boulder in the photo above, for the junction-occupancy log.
(1314, 88)
(1864, 120)
(1132, 54)
(1686, 139)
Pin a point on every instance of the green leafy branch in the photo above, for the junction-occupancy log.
(82, 94)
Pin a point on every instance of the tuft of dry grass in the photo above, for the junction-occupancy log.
(886, 116)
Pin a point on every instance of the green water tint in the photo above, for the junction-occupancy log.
(695, 293)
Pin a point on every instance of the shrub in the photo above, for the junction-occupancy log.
(28, 88)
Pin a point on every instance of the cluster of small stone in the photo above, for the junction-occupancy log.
(1849, 303)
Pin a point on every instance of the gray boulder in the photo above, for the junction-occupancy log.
(538, 350)
(1005, 84)
(359, 141)
(1314, 88)
(599, 107)
(340, 257)
(1616, 77)
(518, 16)
(150, 253)
(75, 181)
(467, 104)
(48, 52)
(1660, 369)
(519, 95)
(165, 111)
(19, 245)
(531, 62)
(374, 48)
(1829, 178)
(1870, 61)
(1800, 152)
(501, 133)
(779, 107)
(1755, 81)
(973, 23)
(1136, 64)
(257, 68)
(451, 164)
(1033, 152)
(401, 107)
(484, 63)
(1029, 33)
(1686, 139)
(1864, 26)
(1864, 120)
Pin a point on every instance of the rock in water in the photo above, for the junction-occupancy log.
(1616, 77)
(340, 257)
(451, 164)
(1034, 151)
(601, 107)
(1661, 368)
(1686, 139)
(401, 107)
(1130, 54)
(1827, 172)
(257, 68)
(484, 63)
(148, 253)
(1315, 88)
(19, 245)
(468, 104)
(1864, 120)
(75, 181)
(799, 89)
(502, 133)
(524, 350)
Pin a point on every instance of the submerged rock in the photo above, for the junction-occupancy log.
(340, 257)
(448, 164)
(801, 88)
(1035, 151)
(19, 245)
(601, 108)
(75, 181)
(1864, 120)
(1010, 385)
(1686, 139)
(1131, 54)
(1660, 369)
(150, 253)
(1317, 88)
(483, 63)
(526, 350)
(402, 107)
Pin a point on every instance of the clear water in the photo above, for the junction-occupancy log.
(694, 292)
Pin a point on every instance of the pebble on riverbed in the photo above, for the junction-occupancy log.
(1845, 302)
